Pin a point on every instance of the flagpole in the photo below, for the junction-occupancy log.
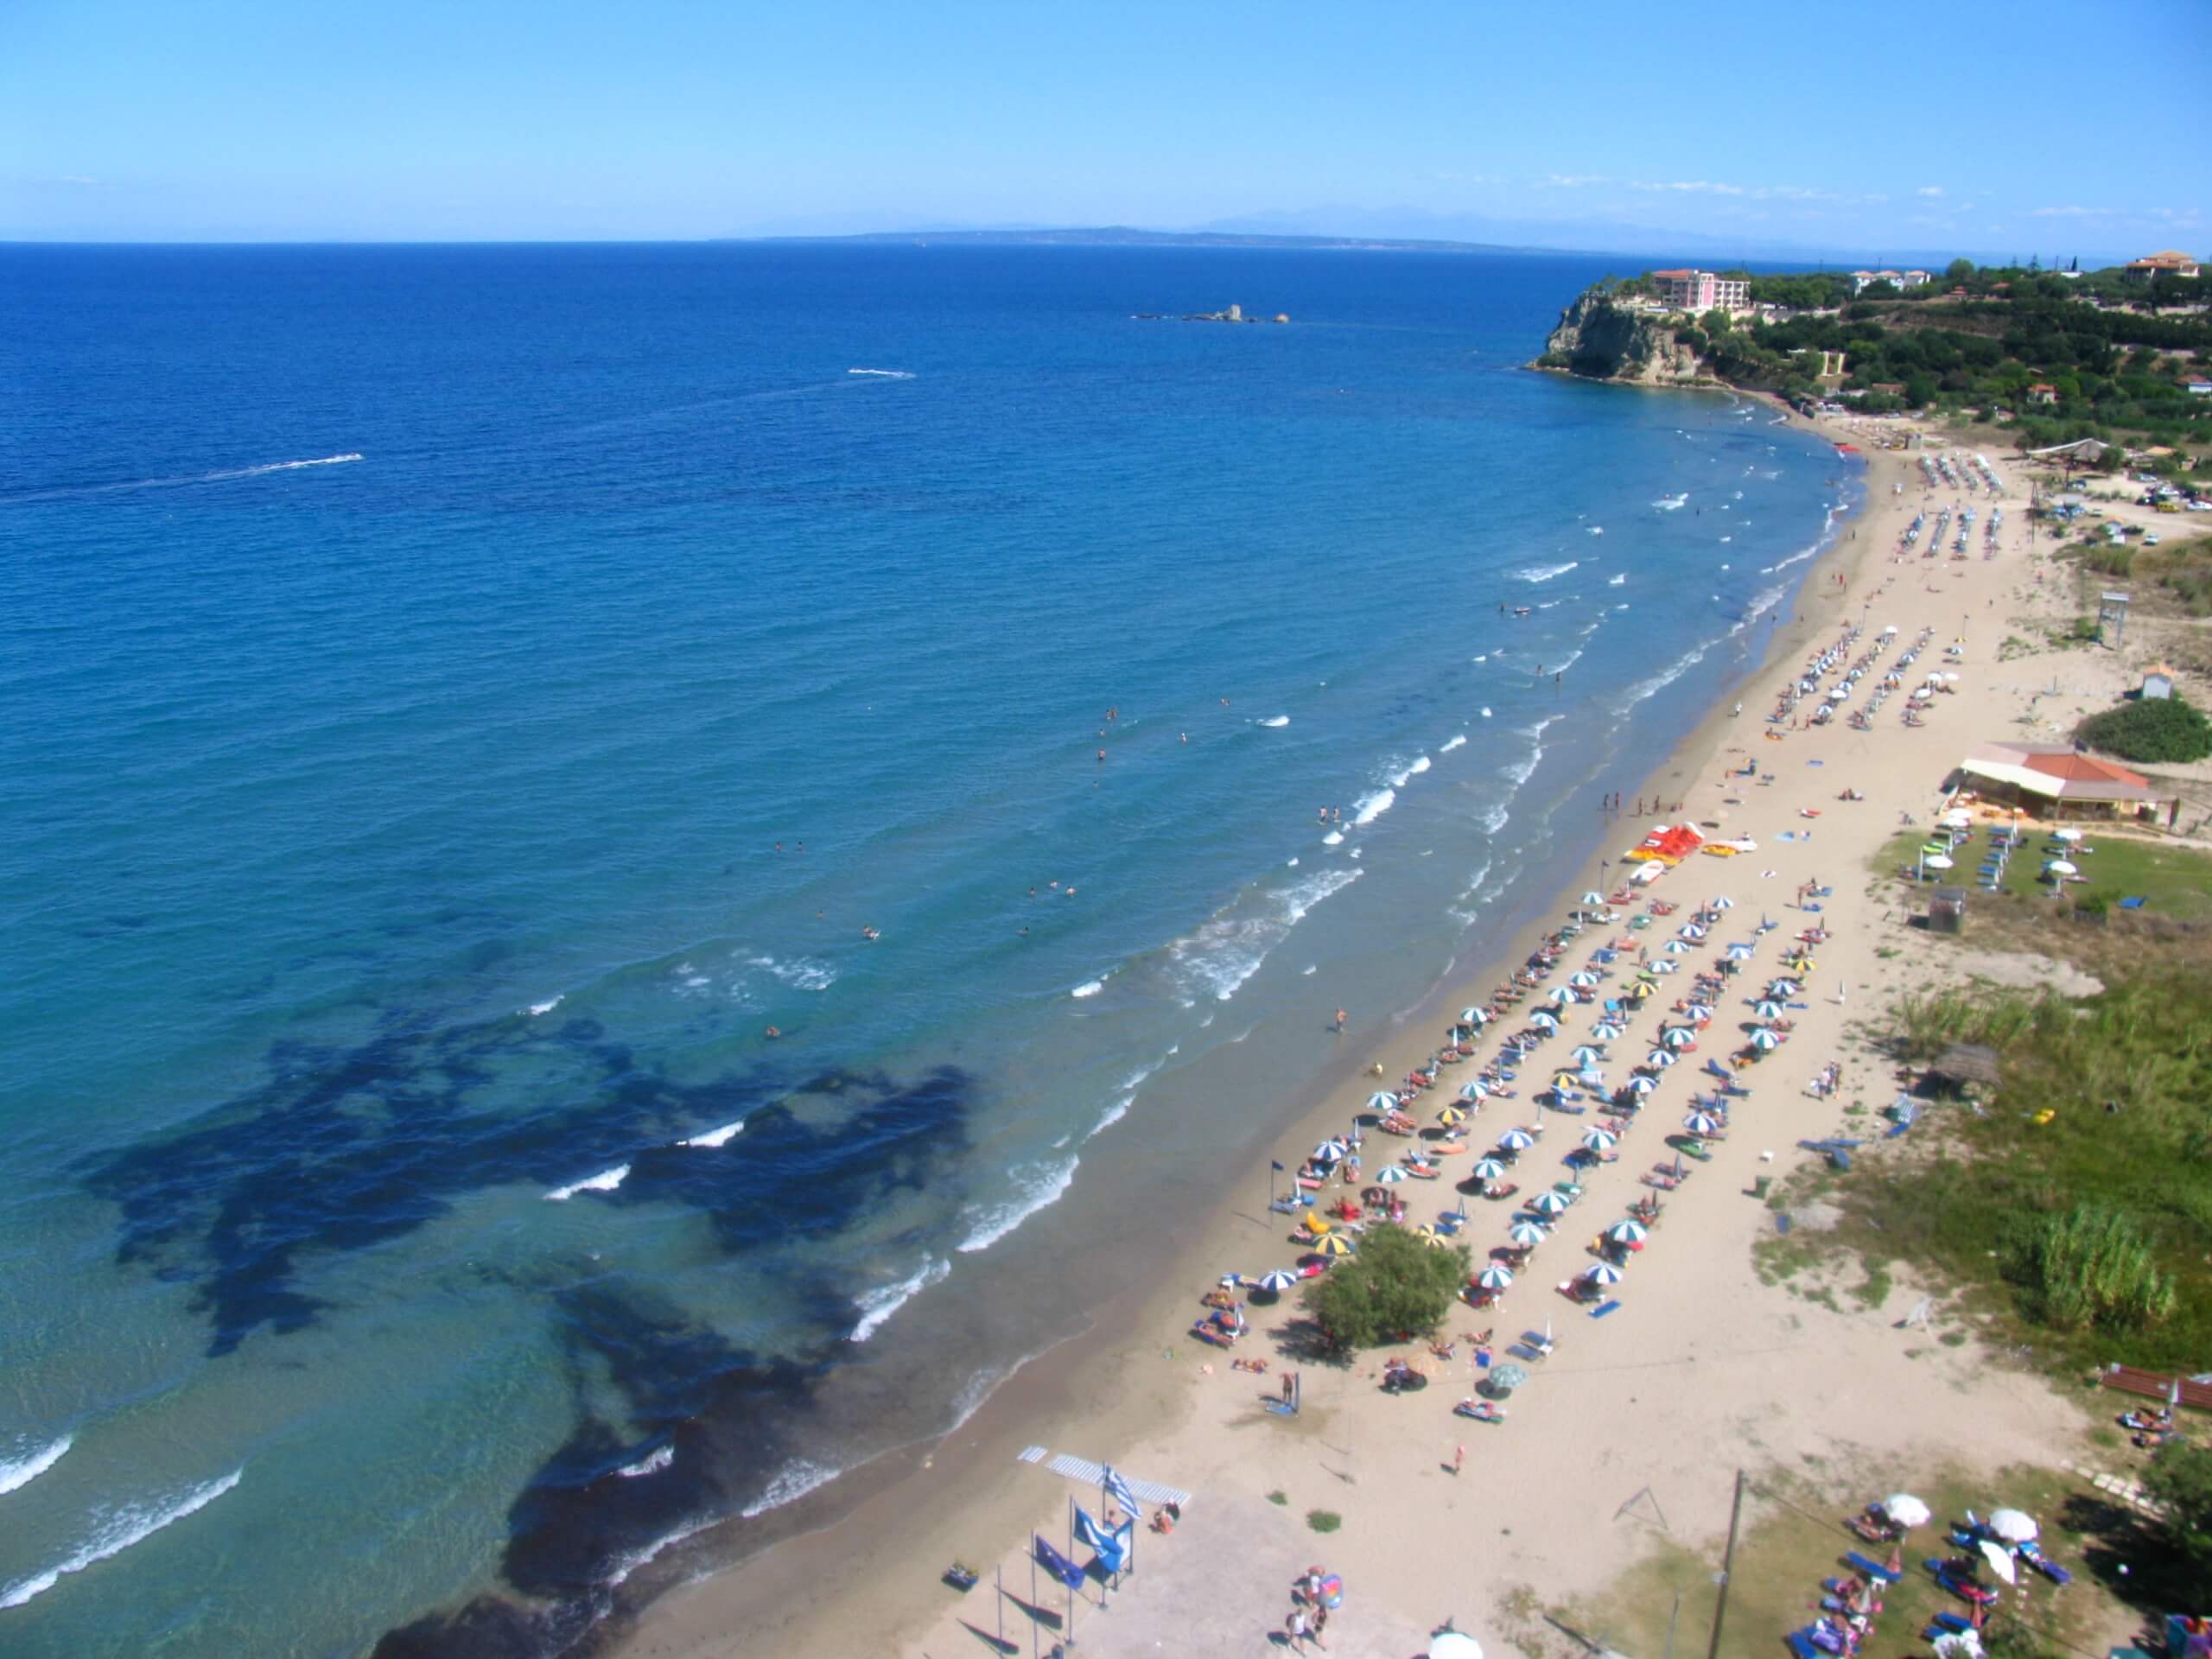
(1064, 1585)
(1034, 1603)
(998, 1596)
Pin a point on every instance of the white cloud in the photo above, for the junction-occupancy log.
(1573, 181)
(2075, 213)
(1929, 190)
(1701, 186)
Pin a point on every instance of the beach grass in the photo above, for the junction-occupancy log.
(1793, 1537)
(2175, 882)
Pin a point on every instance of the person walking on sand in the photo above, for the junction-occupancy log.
(1458, 1459)
(1294, 1629)
(1341, 1017)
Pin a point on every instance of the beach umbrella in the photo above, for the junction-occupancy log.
(1582, 981)
(1767, 1010)
(1662, 1058)
(1454, 1644)
(1692, 930)
(1547, 1204)
(1723, 902)
(1333, 1245)
(1643, 1085)
(1678, 1037)
(1782, 987)
(1566, 1082)
(1641, 990)
(1605, 1273)
(1765, 1040)
(2012, 1526)
(2058, 867)
(1473, 1091)
(2067, 835)
(1599, 1140)
(1739, 953)
(1330, 1152)
(1700, 1122)
(1627, 1232)
(1474, 1016)
(1494, 1277)
(1487, 1169)
(1905, 1509)
(1390, 1175)
(1507, 1378)
(1951, 677)
(1585, 1055)
(1675, 947)
(1543, 1022)
(1382, 1101)
(1890, 631)
(1278, 1281)
(1452, 1116)
(1938, 861)
(1592, 899)
(1606, 1031)
(1526, 1234)
(1516, 1140)
(2000, 1561)
(1560, 996)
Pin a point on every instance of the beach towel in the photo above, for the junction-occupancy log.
(1604, 1308)
(1872, 1568)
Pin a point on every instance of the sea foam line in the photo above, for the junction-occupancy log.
(1458, 742)
(1373, 806)
(712, 1138)
(1043, 1188)
(606, 1181)
(651, 1463)
(115, 1532)
(23, 1470)
(1546, 572)
(878, 1305)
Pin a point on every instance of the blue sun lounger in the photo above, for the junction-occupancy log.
(1801, 1644)
(1870, 1567)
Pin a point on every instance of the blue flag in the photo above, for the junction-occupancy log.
(1058, 1565)
(1112, 1548)
(1273, 1165)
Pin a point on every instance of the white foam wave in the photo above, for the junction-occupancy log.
(801, 973)
(636, 1558)
(1309, 970)
(1373, 806)
(606, 1181)
(1229, 949)
(1037, 1186)
(720, 1137)
(546, 1006)
(1566, 663)
(115, 1530)
(879, 1304)
(1619, 580)
(1398, 778)
(1522, 770)
(1665, 677)
(1485, 712)
(1795, 558)
(651, 1463)
(1495, 819)
(885, 374)
(1089, 988)
(793, 1481)
(21, 1471)
(1672, 503)
(1277, 720)
(1334, 838)
(1546, 572)
(1458, 742)
(1597, 529)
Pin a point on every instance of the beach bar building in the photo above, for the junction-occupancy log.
(2053, 782)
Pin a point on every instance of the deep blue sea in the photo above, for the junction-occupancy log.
(454, 701)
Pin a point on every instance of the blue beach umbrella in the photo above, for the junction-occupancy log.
(1627, 1232)
(1739, 953)
(1765, 1040)
(1585, 1055)
(1278, 1281)
(1582, 981)
(1769, 1010)
(1604, 1273)
(1494, 1277)
(1526, 1234)
(1382, 1101)
(1489, 1169)
(1330, 1152)
(1643, 1085)
(1516, 1140)
(1701, 1123)
(1678, 1037)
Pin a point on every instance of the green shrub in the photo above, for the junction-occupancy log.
(2179, 1479)
(2155, 730)
(1395, 1288)
(2090, 1266)
(1323, 1520)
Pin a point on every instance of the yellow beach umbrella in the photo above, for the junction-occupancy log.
(1333, 1245)
(1452, 1116)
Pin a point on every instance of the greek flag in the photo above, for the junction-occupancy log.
(1114, 1487)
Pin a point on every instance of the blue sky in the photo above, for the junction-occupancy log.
(2046, 126)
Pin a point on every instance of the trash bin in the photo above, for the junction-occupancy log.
(1762, 1186)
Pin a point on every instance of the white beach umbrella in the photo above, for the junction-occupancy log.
(1474, 1016)
(1473, 1091)
(1605, 1273)
(1950, 678)
(1606, 1031)
(1330, 1151)
(1494, 1277)
(1765, 1040)
(1391, 1175)
(1678, 1037)
(2013, 1527)
(1454, 1644)
(1599, 1140)
(1890, 631)
(2059, 867)
(1382, 1101)
(1692, 930)
(1547, 1204)
(1594, 898)
(1643, 1085)
(1839, 693)
(1739, 953)
(1278, 1281)
(1526, 1234)
(1583, 1054)
(1627, 1232)
(1489, 1169)
(1516, 1140)
(1956, 820)
(1937, 861)
(2000, 1561)
(1700, 1122)
(1660, 1056)
(2066, 835)
(1724, 903)
(1543, 1022)
(1906, 1509)
(1560, 996)
(1582, 981)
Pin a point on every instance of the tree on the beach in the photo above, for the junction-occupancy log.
(2179, 1480)
(1397, 1287)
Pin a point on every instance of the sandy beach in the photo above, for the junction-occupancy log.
(1699, 1370)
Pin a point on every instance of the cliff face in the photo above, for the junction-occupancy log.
(1601, 340)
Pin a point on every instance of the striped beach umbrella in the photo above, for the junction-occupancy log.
(1330, 1152)
(1516, 1140)
(1543, 1022)
(1782, 987)
(1675, 947)
(1278, 1281)
(1526, 1234)
(1582, 981)
(1739, 953)
(1494, 1277)
(1559, 996)
(1594, 898)
(1390, 1175)
(1606, 1031)
(1382, 1101)
(1640, 990)
(1659, 1057)
(1723, 903)
(1643, 1085)
(1692, 930)
(1547, 1204)
(1765, 1040)
(1605, 1273)
(1567, 1082)
(1334, 1244)
(1489, 1169)
(1599, 1140)
(1627, 1232)
(1769, 1010)
(1678, 1037)
(1452, 1116)
(1474, 1016)
(1585, 1055)
(1473, 1091)
(1701, 1123)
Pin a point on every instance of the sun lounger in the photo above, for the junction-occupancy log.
(1801, 1644)
(1604, 1308)
(1523, 1351)
(1870, 1567)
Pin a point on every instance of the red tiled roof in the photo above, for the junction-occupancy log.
(2082, 768)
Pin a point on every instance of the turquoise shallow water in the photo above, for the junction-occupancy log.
(412, 660)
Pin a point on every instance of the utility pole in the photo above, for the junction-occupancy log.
(1727, 1565)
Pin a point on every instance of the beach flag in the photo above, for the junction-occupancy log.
(1273, 1165)
(1118, 1489)
(1058, 1565)
(1111, 1548)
